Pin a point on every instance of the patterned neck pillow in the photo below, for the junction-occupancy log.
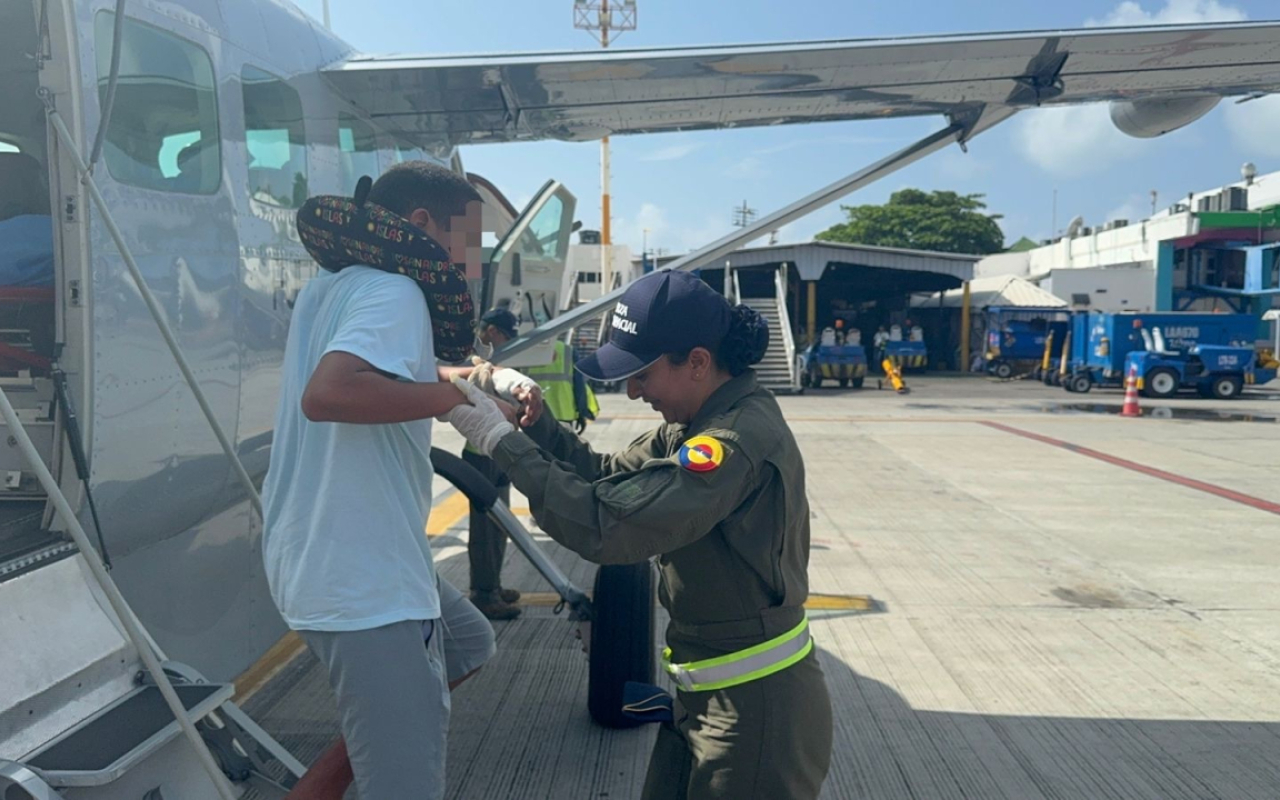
(341, 231)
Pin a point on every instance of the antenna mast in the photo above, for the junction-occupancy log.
(605, 21)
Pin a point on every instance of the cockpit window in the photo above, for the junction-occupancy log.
(163, 133)
(357, 150)
(275, 138)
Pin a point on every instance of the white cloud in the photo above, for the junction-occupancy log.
(956, 165)
(631, 230)
(1073, 140)
(674, 152)
(1253, 126)
(1174, 12)
(749, 167)
(1132, 209)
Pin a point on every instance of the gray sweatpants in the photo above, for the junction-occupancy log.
(393, 694)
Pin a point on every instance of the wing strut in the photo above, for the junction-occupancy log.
(958, 131)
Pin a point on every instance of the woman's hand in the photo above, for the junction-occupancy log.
(512, 386)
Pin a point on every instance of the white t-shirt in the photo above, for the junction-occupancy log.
(345, 505)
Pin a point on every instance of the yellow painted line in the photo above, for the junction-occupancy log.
(447, 513)
(264, 669)
(816, 602)
(452, 510)
(840, 602)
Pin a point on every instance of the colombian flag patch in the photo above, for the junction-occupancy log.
(702, 454)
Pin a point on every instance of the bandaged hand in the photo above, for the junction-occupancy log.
(482, 423)
(511, 385)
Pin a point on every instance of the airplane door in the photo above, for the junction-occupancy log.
(526, 270)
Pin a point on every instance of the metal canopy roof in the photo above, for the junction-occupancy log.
(812, 259)
(999, 291)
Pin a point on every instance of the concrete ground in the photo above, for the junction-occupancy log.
(1070, 604)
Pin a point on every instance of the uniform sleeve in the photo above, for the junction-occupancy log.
(566, 446)
(385, 324)
(631, 516)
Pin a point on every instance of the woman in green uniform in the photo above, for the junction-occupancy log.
(717, 494)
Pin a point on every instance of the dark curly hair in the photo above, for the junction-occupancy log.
(422, 184)
(745, 343)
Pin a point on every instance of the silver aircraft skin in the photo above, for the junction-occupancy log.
(224, 260)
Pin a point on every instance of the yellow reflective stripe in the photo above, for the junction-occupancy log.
(758, 674)
(740, 656)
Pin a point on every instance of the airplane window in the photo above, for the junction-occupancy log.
(275, 140)
(542, 239)
(405, 153)
(358, 150)
(163, 133)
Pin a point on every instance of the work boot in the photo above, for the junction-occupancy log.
(493, 606)
(509, 595)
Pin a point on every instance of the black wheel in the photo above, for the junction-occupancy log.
(1080, 383)
(844, 383)
(1160, 382)
(1227, 387)
(857, 382)
(1055, 378)
(621, 639)
(1047, 378)
(805, 382)
(815, 380)
(1003, 370)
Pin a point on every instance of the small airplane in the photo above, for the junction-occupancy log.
(206, 124)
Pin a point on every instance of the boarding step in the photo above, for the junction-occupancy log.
(122, 735)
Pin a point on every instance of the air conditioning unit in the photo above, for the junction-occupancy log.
(1235, 198)
(588, 237)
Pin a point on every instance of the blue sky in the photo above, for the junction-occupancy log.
(683, 187)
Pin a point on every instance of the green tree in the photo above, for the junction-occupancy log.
(942, 221)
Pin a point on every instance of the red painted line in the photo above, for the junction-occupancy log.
(1190, 483)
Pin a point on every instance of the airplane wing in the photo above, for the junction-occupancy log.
(579, 96)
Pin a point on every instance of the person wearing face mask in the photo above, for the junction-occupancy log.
(717, 495)
(487, 543)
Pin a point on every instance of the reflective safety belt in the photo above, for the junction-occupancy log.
(743, 666)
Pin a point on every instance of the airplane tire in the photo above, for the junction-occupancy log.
(621, 639)
(857, 382)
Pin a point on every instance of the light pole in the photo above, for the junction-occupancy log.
(324, 6)
(604, 21)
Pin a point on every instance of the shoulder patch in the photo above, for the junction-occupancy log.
(702, 454)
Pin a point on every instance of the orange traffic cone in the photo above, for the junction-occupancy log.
(1131, 408)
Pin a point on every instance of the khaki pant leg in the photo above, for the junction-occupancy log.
(762, 740)
(487, 543)
(670, 763)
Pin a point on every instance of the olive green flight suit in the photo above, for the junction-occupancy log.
(733, 548)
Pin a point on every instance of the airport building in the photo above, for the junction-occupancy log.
(1213, 251)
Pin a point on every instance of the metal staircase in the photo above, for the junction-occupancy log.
(777, 370)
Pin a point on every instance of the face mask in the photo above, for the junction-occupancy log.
(483, 350)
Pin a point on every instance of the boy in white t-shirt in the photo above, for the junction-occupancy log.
(348, 493)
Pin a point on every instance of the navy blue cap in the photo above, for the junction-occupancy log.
(501, 319)
(663, 312)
